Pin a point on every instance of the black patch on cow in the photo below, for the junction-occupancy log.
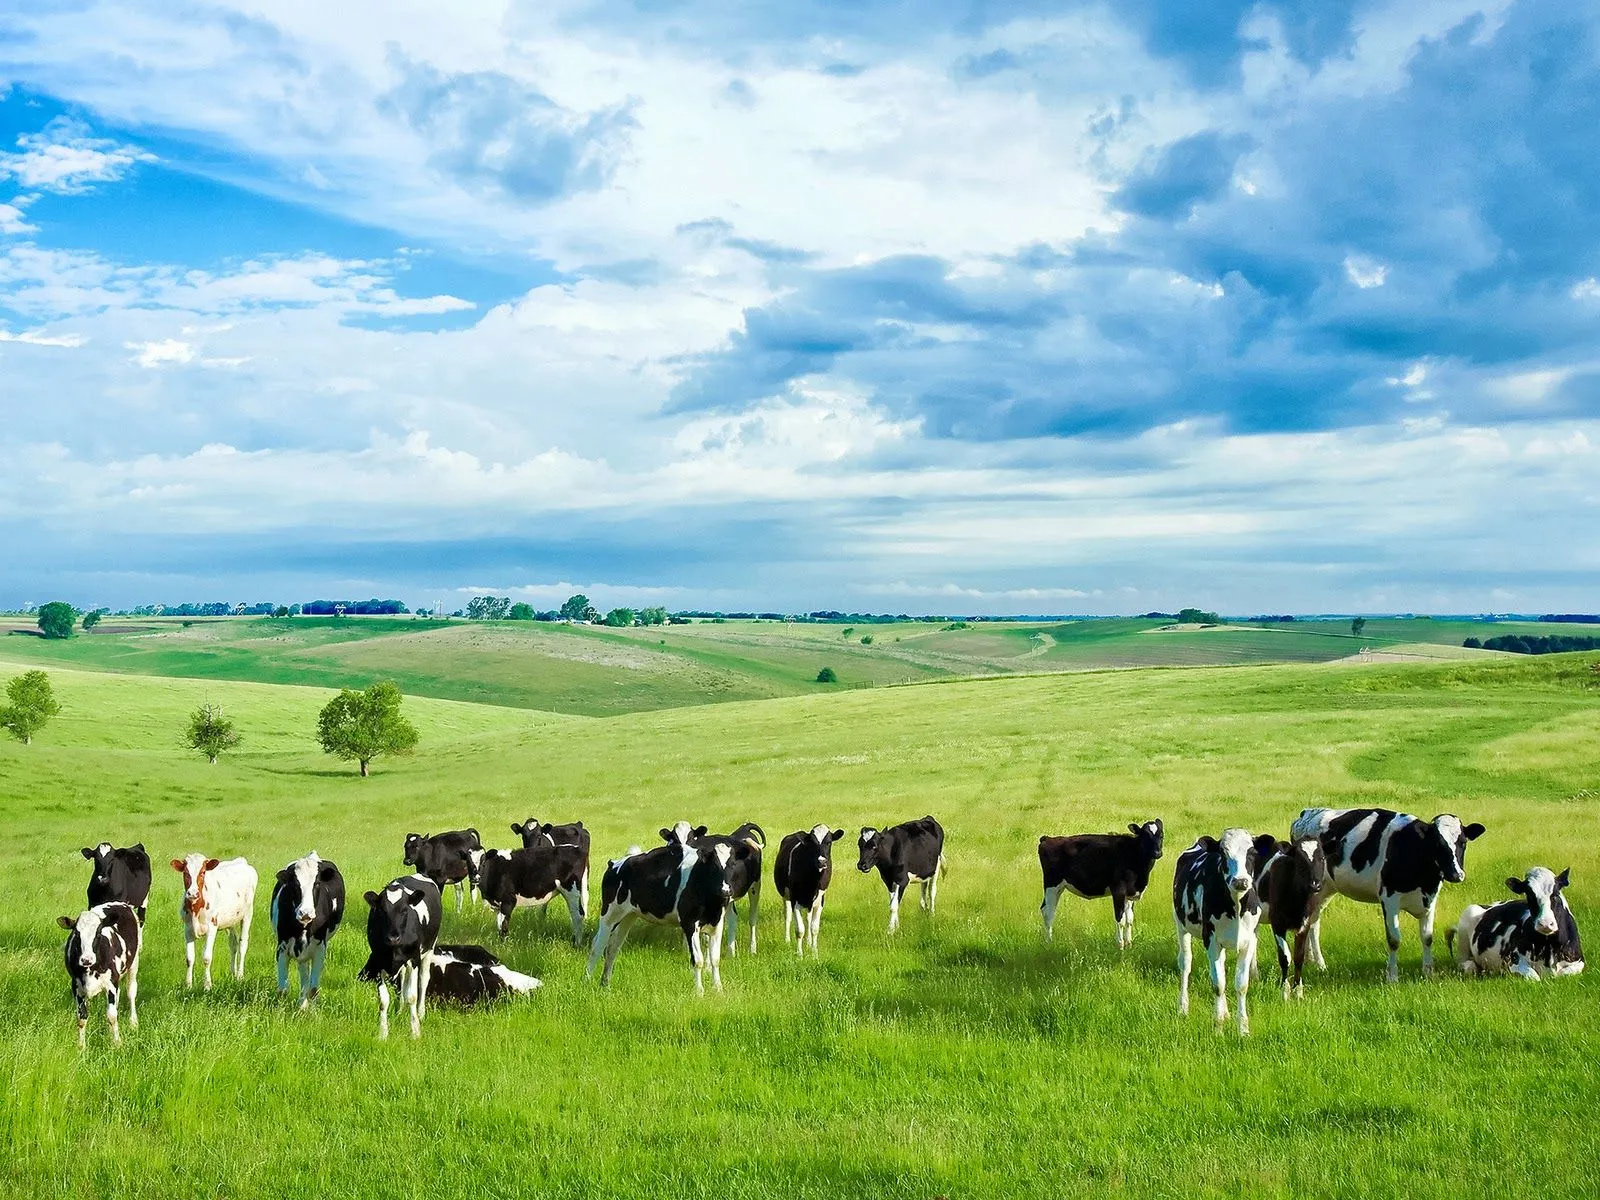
(1333, 838)
(119, 875)
(1366, 851)
(804, 868)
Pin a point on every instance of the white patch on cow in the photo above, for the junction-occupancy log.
(690, 857)
(515, 981)
(1541, 892)
(305, 874)
(1449, 828)
(867, 835)
(819, 834)
(680, 832)
(1236, 846)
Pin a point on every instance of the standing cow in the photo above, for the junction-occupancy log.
(1293, 875)
(1214, 899)
(119, 874)
(802, 872)
(535, 875)
(446, 858)
(673, 884)
(1092, 865)
(306, 909)
(402, 930)
(216, 895)
(911, 852)
(1390, 859)
(745, 845)
(1535, 937)
(102, 955)
(536, 833)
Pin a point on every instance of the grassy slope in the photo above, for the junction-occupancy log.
(964, 1058)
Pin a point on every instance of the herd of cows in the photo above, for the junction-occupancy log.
(1222, 889)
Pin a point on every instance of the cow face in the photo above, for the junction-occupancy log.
(1150, 836)
(1449, 845)
(413, 844)
(1541, 889)
(402, 920)
(101, 857)
(193, 869)
(304, 873)
(824, 837)
(868, 845)
(682, 833)
(1238, 861)
(530, 831)
(1313, 862)
(93, 955)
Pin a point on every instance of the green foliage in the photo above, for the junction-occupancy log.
(620, 618)
(30, 702)
(210, 732)
(363, 725)
(488, 608)
(652, 616)
(827, 675)
(57, 618)
(848, 630)
(866, 639)
(576, 608)
(520, 612)
(91, 619)
(1357, 624)
(1197, 616)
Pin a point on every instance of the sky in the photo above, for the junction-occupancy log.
(954, 306)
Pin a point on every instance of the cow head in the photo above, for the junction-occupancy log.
(825, 837)
(1541, 888)
(397, 910)
(530, 831)
(868, 844)
(1150, 836)
(303, 873)
(102, 858)
(1449, 845)
(85, 929)
(1240, 854)
(1312, 862)
(193, 869)
(413, 844)
(682, 833)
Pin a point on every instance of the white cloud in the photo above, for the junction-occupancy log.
(12, 221)
(30, 337)
(166, 352)
(1365, 272)
(63, 157)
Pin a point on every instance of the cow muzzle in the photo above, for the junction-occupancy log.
(1238, 885)
(1547, 926)
(304, 917)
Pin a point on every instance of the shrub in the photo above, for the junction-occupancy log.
(210, 732)
(827, 675)
(57, 618)
(866, 639)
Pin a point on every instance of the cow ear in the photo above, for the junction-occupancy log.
(1517, 886)
(1134, 829)
(371, 898)
(1207, 842)
(139, 846)
(699, 831)
(836, 836)
(285, 875)
(177, 864)
(87, 852)
(1473, 832)
(666, 835)
(1564, 878)
(327, 870)
(516, 828)
(213, 863)
(1265, 844)
(66, 922)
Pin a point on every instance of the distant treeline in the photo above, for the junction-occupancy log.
(360, 608)
(216, 608)
(316, 608)
(1521, 643)
(1570, 619)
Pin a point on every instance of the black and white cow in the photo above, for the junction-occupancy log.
(1535, 937)
(802, 872)
(673, 884)
(119, 874)
(402, 930)
(306, 909)
(1390, 859)
(470, 974)
(911, 852)
(536, 833)
(1214, 899)
(744, 870)
(445, 858)
(1092, 865)
(102, 955)
(535, 875)
(1293, 875)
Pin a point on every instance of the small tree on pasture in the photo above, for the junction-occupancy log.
(827, 675)
(91, 619)
(575, 607)
(30, 702)
(57, 618)
(1357, 625)
(363, 725)
(210, 732)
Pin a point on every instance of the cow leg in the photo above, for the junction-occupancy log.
(302, 970)
(383, 1007)
(597, 947)
(319, 952)
(111, 1014)
(894, 905)
(1391, 930)
(423, 972)
(1522, 968)
(789, 910)
(1119, 910)
(1184, 957)
(411, 992)
(716, 954)
(1425, 931)
(816, 922)
(1315, 935)
(1568, 968)
(728, 927)
(753, 912)
(211, 941)
(244, 944)
(188, 956)
(133, 993)
(83, 1018)
(233, 951)
(502, 917)
(1047, 909)
(574, 901)
(1282, 943)
(583, 893)
(691, 935)
(283, 969)
(1218, 954)
(1241, 983)
(1301, 937)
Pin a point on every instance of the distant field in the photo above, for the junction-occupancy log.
(962, 1058)
(598, 671)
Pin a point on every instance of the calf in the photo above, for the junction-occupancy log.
(1290, 886)
(1391, 859)
(119, 875)
(675, 884)
(306, 909)
(102, 955)
(802, 873)
(533, 833)
(744, 869)
(216, 895)
(1214, 898)
(912, 852)
(445, 858)
(468, 974)
(1535, 937)
(1092, 865)
(535, 875)
(402, 929)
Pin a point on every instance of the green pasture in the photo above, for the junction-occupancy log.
(962, 1058)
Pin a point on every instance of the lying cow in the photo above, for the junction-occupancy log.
(1092, 865)
(911, 852)
(1391, 859)
(1214, 899)
(673, 884)
(744, 869)
(402, 930)
(470, 974)
(306, 909)
(217, 895)
(1535, 937)
(535, 875)
(102, 955)
(119, 875)
(1290, 885)
(802, 872)
(445, 858)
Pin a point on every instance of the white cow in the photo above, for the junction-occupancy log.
(216, 895)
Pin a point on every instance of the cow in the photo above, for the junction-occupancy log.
(306, 909)
(1290, 885)
(911, 852)
(102, 955)
(467, 974)
(675, 884)
(1391, 859)
(802, 872)
(445, 858)
(119, 875)
(744, 869)
(1092, 865)
(1214, 898)
(217, 895)
(535, 875)
(535, 833)
(402, 930)
(1534, 937)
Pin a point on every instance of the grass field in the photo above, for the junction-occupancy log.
(962, 1058)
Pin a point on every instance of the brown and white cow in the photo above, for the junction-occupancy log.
(217, 894)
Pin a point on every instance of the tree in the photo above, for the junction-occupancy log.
(575, 607)
(1357, 625)
(827, 675)
(29, 704)
(363, 725)
(620, 618)
(57, 618)
(488, 608)
(91, 619)
(652, 616)
(210, 732)
(521, 612)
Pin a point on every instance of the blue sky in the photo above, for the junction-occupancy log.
(953, 306)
